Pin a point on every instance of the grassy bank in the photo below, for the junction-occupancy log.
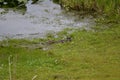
(89, 56)
(104, 6)
(105, 11)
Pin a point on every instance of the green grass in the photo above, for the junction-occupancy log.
(89, 56)
(107, 6)
(107, 11)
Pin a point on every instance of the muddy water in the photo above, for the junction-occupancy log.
(38, 20)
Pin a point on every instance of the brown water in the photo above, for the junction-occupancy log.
(39, 19)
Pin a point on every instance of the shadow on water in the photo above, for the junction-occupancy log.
(38, 20)
(12, 3)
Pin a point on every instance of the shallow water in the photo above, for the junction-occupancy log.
(38, 20)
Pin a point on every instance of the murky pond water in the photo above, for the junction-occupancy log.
(39, 19)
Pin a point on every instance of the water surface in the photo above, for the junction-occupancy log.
(38, 20)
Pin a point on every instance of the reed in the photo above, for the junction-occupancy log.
(100, 6)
